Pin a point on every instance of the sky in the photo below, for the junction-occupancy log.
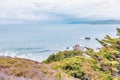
(39, 11)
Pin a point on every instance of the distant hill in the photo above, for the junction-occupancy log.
(94, 22)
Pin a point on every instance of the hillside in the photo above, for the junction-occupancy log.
(23, 69)
(68, 65)
(101, 65)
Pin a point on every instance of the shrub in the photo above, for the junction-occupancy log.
(62, 55)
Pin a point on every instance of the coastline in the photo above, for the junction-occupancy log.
(33, 41)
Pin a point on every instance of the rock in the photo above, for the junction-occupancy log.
(87, 38)
(67, 47)
(77, 47)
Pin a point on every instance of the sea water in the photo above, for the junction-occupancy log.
(37, 42)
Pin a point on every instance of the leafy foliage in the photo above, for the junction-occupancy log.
(62, 55)
(101, 65)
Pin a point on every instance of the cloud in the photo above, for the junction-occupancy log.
(57, 10)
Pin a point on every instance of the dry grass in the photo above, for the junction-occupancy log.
(4, 76)
(24, 69)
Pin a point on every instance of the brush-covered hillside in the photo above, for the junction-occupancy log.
(90, 65)
(24, 69)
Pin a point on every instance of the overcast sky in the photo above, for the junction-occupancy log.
(20, 11)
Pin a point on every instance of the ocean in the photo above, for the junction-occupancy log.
(37, 42)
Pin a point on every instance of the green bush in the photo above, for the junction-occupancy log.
(100, 65)
(62, 55)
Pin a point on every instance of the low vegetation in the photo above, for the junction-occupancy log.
(101, 65)
(23, 69)
(68, 65)
(62, 55)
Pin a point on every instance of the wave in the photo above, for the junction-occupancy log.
(28, 53)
